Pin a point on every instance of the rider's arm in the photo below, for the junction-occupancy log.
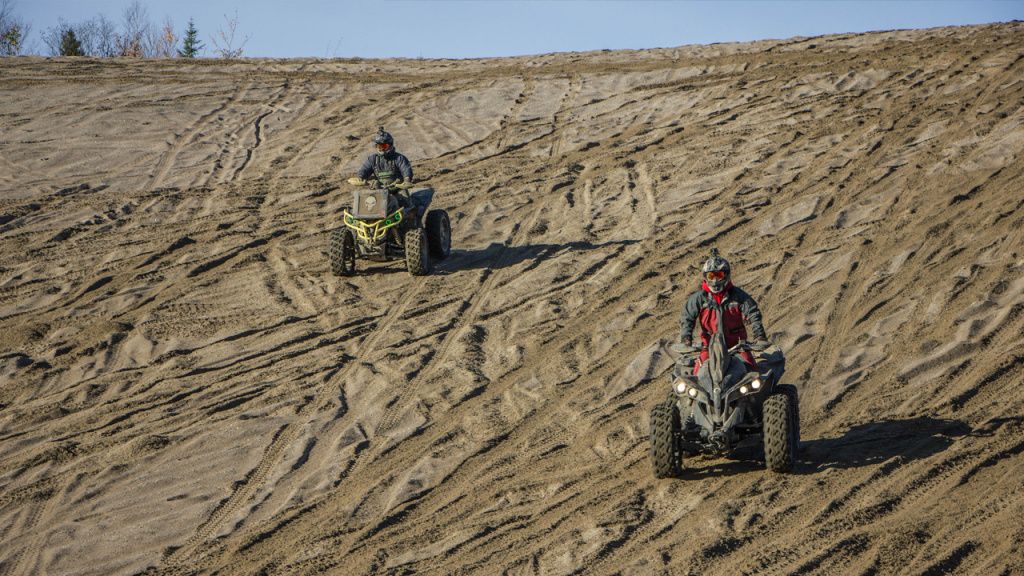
(690, 312)
(404, 167)
(752, 314)
(366, 170)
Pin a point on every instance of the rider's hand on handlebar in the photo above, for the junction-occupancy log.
(760, 345)
(356, 181)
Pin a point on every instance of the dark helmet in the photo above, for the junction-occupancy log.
(716, 272)
(383, 141)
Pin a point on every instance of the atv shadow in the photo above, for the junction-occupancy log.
(498, 256)
(876, 442)
(862, 445)
(375, 268)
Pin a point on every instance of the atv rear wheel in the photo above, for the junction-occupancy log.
(417, 253)
(343, 252)
(794, 398)
(780, 435)
(439, 234)
(665, 454)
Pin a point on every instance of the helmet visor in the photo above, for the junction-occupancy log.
(383, 146)
(714, 275)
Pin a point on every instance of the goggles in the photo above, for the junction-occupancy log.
(383, 146)
(715, 275)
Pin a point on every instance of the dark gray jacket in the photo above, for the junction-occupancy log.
(386, 167)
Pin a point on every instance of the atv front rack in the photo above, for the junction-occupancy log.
(372, 230)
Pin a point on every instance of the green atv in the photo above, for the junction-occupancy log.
(387, 223)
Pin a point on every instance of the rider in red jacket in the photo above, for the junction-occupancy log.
(718, 297)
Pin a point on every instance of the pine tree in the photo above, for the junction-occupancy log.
(69, 44)
(191, 45)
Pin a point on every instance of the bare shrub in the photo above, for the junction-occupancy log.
(165, 41)
(13, 30)
(54, 36)
(99, 37)
(135, 40)
(225, 39)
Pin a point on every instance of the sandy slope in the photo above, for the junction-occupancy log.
(184, 388)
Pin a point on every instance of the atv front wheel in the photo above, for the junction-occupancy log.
(780, 435)
(794, 402)
(417, 253)
(665, 454)
(343, 252)
(439, 234)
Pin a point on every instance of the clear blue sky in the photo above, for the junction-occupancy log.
(478, 28)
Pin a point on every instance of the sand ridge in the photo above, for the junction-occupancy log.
(185, 389)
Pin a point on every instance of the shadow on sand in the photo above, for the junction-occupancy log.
(862, 445)
(498, 256)
(494, 257)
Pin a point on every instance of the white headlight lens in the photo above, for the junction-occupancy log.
(756, 384)
(693, 392)
(744, 389)
(681, 387)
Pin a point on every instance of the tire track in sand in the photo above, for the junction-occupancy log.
(27, 559)
(468, 313)
(247, 488)
(163, 167)
(511, 119)
(568, 101)
(370, 506)
(222, 173)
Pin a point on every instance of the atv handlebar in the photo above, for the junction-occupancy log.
(682, 348)
(743, 345)
(401, 185)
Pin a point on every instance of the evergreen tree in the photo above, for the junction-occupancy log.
(191, 45)
(69, 44)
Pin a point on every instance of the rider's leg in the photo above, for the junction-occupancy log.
(700, 360)
(749, 359)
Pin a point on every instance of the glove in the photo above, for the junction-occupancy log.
(356, 181)
(760, 345)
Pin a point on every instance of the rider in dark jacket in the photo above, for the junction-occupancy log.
(386, 165)
(718, 296)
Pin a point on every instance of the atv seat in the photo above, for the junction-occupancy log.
(422, 197)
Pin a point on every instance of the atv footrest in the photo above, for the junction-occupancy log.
(690, 446)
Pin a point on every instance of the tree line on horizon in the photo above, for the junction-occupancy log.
(136, 37)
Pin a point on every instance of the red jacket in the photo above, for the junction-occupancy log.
(735, 306)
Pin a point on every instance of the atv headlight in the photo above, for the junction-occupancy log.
(681, 387)
(693, 392)
(756, 384)
(744, 389)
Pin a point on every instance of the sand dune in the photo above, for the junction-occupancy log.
(185, 389)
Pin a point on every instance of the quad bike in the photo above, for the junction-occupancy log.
(724, 403)
(388, 223)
